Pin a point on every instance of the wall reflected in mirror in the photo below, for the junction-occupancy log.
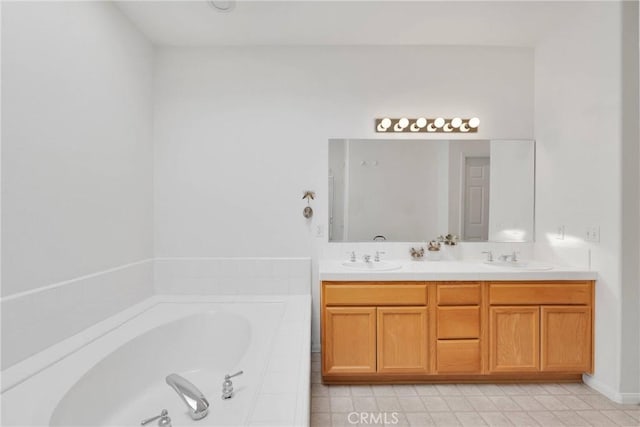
(415, 190)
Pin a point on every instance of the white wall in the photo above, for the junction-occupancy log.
(241, 132)
(76, 169)
(511, 191)
(579, 144)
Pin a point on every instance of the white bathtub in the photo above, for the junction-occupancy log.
(117, 377)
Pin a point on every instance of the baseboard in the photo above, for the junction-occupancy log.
(611, 394)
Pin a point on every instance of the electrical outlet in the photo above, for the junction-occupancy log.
(320, 231)
(560, 233)
(592, 234)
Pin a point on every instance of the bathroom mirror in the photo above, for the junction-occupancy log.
(415, 190)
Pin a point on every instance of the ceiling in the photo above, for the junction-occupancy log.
(325, 22)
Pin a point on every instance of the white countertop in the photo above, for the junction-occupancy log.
(449, 270)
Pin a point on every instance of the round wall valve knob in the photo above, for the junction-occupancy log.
(307, 212)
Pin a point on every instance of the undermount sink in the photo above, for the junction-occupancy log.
(372, 265)
(520, 265)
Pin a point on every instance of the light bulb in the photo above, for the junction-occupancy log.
(456, 122)
(402, 123)
(419, 124)
(447, 127)
(474, 122)
(439, 122)
(384, 124)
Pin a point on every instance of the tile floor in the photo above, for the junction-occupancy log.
(464, 405)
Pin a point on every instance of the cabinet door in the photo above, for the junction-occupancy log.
(349, 340)
(402, 339)
(514, 339)
(566, 338)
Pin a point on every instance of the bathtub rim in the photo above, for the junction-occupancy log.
(18, 374)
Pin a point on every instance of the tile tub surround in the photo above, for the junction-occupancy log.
(37, 319)
(232, 276)
(287, 362)
(421, 405)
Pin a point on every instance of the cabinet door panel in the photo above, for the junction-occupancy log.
(566, 338)
(349, 340)
(459, 357)
(402, 339)
(375, 294)
(460, 293)
(504, 293)
(458, 322)
(514, 339)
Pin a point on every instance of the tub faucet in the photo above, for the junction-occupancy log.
(190, 395)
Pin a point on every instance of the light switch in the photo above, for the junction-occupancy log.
(592, 234)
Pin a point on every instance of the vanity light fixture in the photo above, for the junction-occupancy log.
(422, 124)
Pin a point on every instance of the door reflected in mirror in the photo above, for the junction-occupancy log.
(415, 190)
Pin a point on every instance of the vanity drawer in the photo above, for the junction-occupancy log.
(375, 293)
(458, 322)
(540, 293)
(458, 357)
(459, 294)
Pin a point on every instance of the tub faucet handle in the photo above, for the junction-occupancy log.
(227, 385)
(164, 421)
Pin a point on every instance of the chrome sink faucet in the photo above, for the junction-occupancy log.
(377, 257)
(190, 395)
(366, 258)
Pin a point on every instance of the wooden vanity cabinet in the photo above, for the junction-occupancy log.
(456, 331)
(374, 328)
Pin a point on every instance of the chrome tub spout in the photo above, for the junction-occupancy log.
(190, 395)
